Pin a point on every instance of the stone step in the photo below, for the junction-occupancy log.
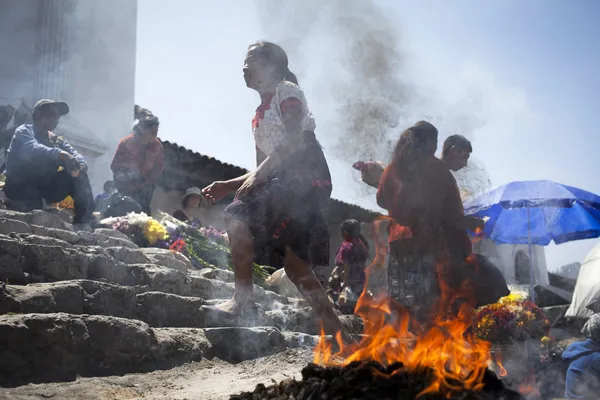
(157, 308)
(56, 220)
(59, 347)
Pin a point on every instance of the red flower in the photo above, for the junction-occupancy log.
(178, 245)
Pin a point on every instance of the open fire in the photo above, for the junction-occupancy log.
(396, 357)
(456, 358)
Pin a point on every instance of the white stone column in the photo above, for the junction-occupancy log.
(52, 49)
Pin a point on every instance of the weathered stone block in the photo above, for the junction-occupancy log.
(58, 347)
(98, 239)
(239, 344)
(127, 255)
(166, 258)
(14, 215)
(55, 220)
(54, 262)
(11, 269)
(107, 269)
(297, 320)
(100, 298)
(182, 345)
(61, 234)
(157, 278)
(169, 310)
(45, 241)
(112, 233)
(8, 226)
(42, 298)
(210, 288)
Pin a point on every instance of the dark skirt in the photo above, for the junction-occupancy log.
(290, 209)
(413, 281)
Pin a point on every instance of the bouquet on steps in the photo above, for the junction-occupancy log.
(205, 247)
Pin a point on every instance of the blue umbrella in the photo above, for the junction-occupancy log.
(537, 212)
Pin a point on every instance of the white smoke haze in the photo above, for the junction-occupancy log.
(365, 86)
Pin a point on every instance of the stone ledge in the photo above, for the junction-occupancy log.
(39, 348)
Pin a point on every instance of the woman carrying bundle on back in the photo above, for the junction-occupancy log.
(422, 199)
(283, 203)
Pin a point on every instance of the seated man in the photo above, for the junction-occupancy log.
(139, 162)
(102, 200)
(43, 166)
(583, 375)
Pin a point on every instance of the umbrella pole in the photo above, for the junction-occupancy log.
(531, 274)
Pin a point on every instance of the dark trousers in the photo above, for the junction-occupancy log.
(54, 189)
(142, 194)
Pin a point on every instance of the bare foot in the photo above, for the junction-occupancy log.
(230, 306)
(236, 306)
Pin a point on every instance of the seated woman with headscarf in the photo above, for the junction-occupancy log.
(191, 201)
(583, 375)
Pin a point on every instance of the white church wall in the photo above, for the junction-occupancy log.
(18, 21)
(504, 256)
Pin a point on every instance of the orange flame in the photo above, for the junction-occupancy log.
(455, 356)
(529, 387)
(498, 358)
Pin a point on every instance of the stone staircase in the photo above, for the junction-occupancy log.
(79, 303)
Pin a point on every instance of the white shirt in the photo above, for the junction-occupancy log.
(267, 125)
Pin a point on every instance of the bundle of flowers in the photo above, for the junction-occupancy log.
(215, 235)
(205, 247)
(512, 318)
(143, 230)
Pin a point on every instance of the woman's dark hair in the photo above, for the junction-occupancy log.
(412, 149)
(352, 228)
(145, 123)
(275, 55)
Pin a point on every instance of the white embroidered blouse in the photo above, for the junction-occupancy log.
(267, 124)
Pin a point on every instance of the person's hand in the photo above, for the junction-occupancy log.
(372, 174)
(246, 186)
(216, 191)
(66, 158)
(71, 164)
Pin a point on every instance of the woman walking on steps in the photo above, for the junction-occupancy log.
(283, 203)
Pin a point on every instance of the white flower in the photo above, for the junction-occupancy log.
(139, 220)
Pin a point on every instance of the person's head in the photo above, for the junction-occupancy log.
(109, 186)
(350, 229)
(456, 152)
(417, 143)
(47, 113)
(146, 129)
(266, 65)
(591, 329)
(192, 198)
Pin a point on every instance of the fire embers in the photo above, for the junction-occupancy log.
(372, 381)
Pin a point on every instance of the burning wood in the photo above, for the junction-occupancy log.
(371, 380)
